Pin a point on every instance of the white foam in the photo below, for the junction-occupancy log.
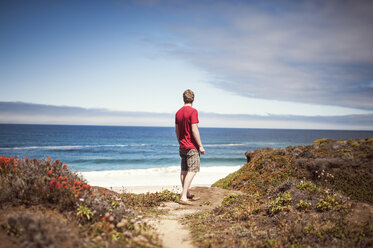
(167, 176)
(58, 147)
(223, 145)
(244, 144)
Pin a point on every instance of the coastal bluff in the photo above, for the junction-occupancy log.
(317, 195)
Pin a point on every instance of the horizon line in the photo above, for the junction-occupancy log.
(254, 128)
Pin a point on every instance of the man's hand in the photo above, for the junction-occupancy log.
(202, 150)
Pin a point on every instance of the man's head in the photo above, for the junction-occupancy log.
(188, 96)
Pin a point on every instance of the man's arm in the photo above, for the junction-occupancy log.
(177, 132)
(197, 138)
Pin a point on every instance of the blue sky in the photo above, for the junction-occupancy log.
(255, 58)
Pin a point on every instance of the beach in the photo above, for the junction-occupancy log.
(154, 179)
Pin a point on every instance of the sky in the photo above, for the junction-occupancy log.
(272, 64)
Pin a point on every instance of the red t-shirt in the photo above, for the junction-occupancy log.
(184, 118)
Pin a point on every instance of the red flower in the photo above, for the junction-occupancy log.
(58, 185)
(65, 178)
(78, 183)
(49, 173)
(86, 186)
(49, 158)
(36, 187)
(65, 166)
(60, 178)
(103, 218)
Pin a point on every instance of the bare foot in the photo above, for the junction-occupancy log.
(186, 202)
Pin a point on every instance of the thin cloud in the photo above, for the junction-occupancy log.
(318, 52)
(28, 113)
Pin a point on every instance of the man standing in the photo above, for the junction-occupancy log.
(187, 133)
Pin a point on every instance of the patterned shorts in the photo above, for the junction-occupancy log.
(189, 159)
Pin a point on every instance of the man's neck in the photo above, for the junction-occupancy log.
(188, 104)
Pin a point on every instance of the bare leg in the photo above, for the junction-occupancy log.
(187, 181)
(182, 178)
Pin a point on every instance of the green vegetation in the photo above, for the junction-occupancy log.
(304, 205)
(318, 195)
(308, 186)
(84, 211)
(323, 141)
(144, 202)
(357, 186)
(267, 168)
(44, 204)
(327, 203)
(281, 203)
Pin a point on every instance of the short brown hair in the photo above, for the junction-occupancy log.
(188, 96)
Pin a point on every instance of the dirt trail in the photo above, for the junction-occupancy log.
(175, 234)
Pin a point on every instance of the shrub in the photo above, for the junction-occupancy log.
(41, 231)
(281, 203)
(230, 199)
(148, 200)
(327, 203)
(106, 219)
(308, 186)
(34, 182)
(322, 141)
(304, 206)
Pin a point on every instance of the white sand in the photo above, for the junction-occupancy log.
(154, 179)
(151, 189)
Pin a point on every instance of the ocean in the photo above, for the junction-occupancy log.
(140, 156)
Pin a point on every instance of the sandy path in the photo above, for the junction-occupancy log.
(175, 234)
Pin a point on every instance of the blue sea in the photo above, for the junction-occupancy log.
(130, 153)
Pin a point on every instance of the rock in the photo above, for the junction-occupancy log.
(248, 156)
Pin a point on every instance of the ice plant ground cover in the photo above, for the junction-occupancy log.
(45, 204)
(317, 195)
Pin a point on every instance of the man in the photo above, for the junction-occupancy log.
(187, 133)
